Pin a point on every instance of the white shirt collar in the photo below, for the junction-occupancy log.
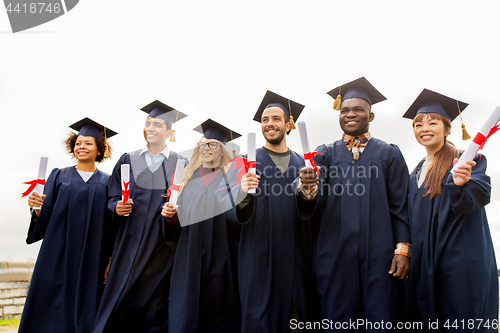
(165, 152)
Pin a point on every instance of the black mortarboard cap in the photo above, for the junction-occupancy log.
(359, 88)
(213, 130)
(88, 127)
(432, 102)
(160, 110)
(292, 109)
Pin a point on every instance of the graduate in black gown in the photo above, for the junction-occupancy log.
(275, 271)
(69, 272)
(361, 203)
(453, 279)
(204, 288)
(135, 298)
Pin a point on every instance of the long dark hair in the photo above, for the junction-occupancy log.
(442, 160)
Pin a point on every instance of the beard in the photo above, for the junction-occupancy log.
(277, 140)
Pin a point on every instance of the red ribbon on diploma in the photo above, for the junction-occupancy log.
(126, 191)
(480, 139)
(32, 185)
(172, 187)
(241, 161)
(310, 156)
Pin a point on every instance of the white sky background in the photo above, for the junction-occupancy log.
(107, 59)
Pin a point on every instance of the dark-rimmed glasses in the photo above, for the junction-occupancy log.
(212, 145)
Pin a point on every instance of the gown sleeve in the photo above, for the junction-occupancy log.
(397, 195)
(473, 195)
(38, 225)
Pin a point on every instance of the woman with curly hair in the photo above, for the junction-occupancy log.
(204, 290)
(453, 283)
(68, 276)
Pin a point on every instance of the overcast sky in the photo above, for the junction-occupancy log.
(107, 59)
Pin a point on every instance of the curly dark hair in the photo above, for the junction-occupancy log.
(101, 143)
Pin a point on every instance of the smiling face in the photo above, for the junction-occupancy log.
(211, 157)
(85, 149)
(355, 116)
(156, 131)
(430, 131)
(274, 126)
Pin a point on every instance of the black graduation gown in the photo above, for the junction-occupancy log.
(135, 298)
(362, 206)
(453, 273)
(68, 275)
(275, 253)
(204, 289)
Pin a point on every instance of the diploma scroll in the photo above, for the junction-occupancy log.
(251, 154)
(304, 141)
(480, 139)
(42, 171)
(125, 180)
(174, 187)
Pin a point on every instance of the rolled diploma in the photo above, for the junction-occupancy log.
(42, 171)
(125, 176)
(471, 151)
(251, 154)
(304, 141)
(179, 169)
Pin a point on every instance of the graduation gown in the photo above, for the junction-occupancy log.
(204, 289)
(362, 206)
(275, 254)
(453, 273)
(135, 298)
(66, 283)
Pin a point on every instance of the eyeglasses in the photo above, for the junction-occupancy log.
(211, 145)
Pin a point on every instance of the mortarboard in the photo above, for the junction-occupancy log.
(359, 88)
(292, 109)
(88, 127)
(432, 102)
(160, 110)
(213, 130)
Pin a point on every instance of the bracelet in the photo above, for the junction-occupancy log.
(403, 249)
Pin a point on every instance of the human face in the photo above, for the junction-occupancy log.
(155, 131)
(211, 157)
(85, 149)
(355, 116)
(430, 133)
(273, 124)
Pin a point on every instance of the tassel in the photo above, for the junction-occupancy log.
(337, 102)
(106, 151)
(172, 137)
(234, 153)
(292, 123)
(465, 135)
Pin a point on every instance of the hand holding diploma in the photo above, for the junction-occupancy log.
(309, 174)
(488, 129)
(169, 210)
(250, 180)
(173, 191)
(124, 207)
(36, 201)
(462, 173)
